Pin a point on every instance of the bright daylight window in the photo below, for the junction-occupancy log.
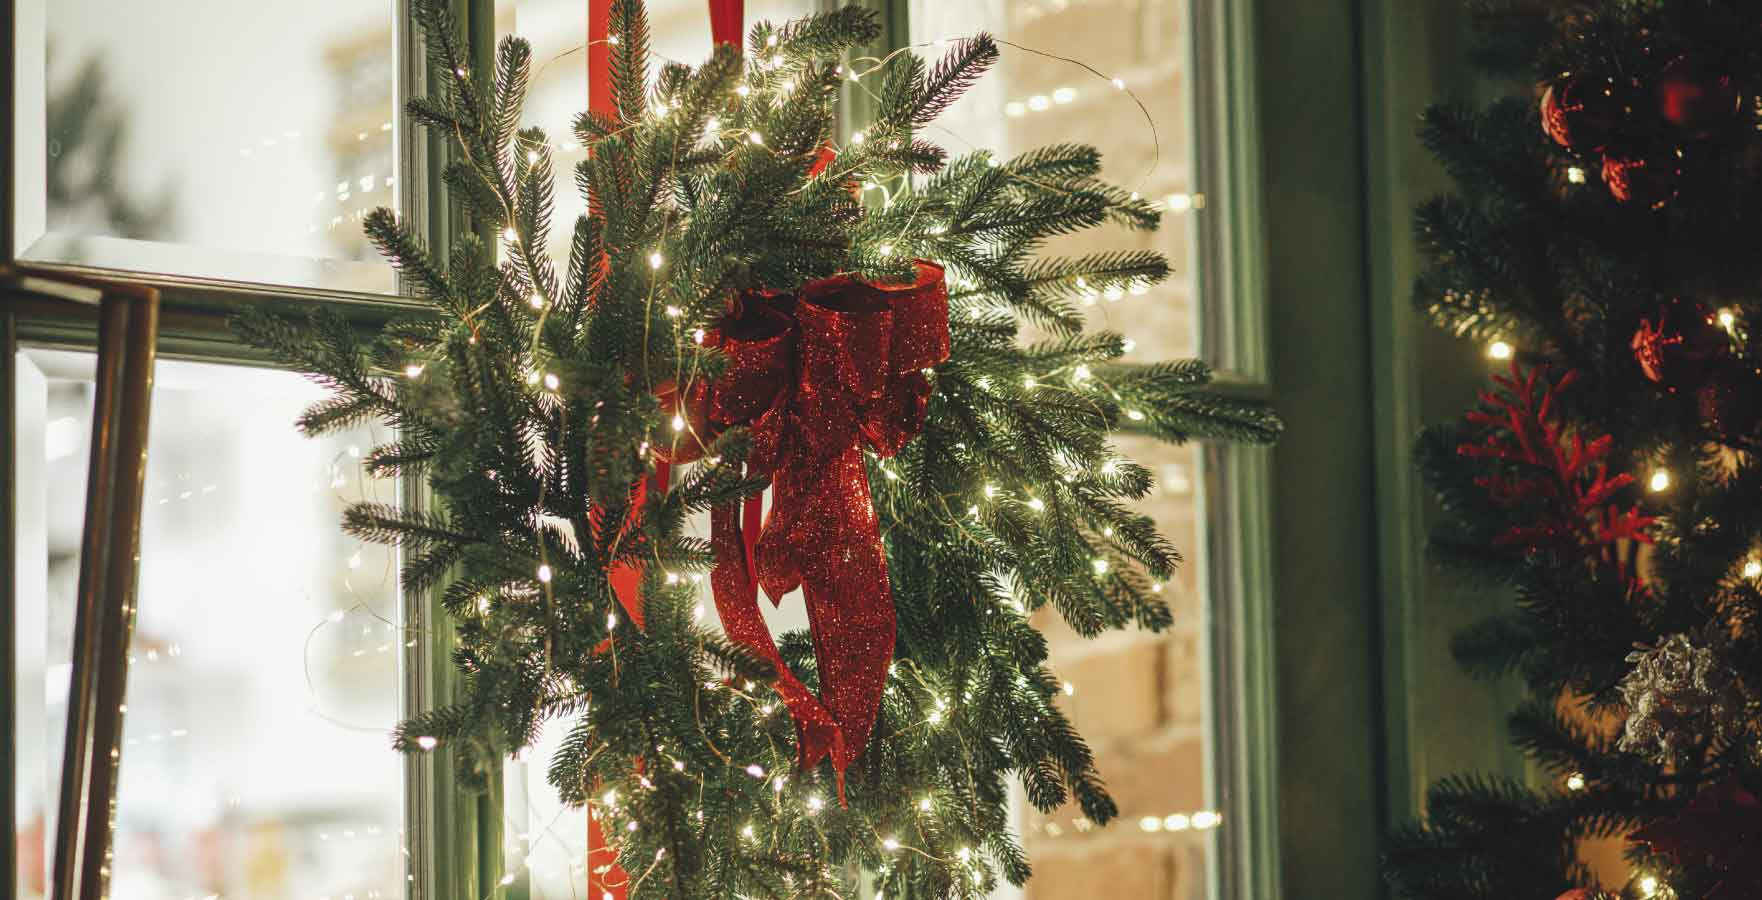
(231, 142)
(264, 672)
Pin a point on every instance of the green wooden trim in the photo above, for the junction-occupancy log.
(9, 601)
(1413, 56)
(856, 107)
(1330, 814)
(1238, 505)
(1232, 271)
(456, 833)
(1394, 390)
(1243, 752)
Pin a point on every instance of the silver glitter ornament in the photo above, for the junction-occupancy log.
(1680, 695)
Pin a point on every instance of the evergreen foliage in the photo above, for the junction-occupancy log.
(1535, 250)
(526, 393)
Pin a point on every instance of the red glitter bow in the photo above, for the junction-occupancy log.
(816, 377)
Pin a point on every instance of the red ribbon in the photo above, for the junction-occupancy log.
(816, 378)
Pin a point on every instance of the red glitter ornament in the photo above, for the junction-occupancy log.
(1695, 99)
(1731, 403)
(1650, 180)
(816, 378)
(1680, 344)
(1721, 829)
(1581, 113)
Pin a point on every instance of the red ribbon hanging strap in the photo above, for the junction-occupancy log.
(727, 19)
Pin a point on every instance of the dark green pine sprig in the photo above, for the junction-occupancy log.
(526, 393)
(1534, 251)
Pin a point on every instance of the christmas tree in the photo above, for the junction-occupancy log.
(1604, 239)
(732, 317)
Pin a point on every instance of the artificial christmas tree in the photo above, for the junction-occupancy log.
(1610, 480)
(732, 318)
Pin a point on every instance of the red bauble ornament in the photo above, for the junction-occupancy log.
(1679, 344)
(1649, 180)
(1695, 98)
(1731, 403)
(1720, 829)
(1581, 113)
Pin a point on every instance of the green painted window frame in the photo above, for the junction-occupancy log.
(453, 834)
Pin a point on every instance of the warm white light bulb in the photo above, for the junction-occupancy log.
(1575, 782)
(857, 138)
(1119, 84)
(412, 371)
(674, 312)
(743, 90)
(655, 260)
(427, 743)
(1499, 350)
(537, 301)
(1036, 504)
(756, 138)
(544, 574)
(510, 234)
(890, 844)
(1100, 566)
(551, 381)
(1753, 569)
(678, 423)
(1659, 481)
(1082, 373)
(886, 249)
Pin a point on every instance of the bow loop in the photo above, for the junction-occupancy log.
(814, 378)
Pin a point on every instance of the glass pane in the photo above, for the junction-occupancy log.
(1141, 699)
(264, 674)
(546, 842)
(1030, 100)
(232, 141)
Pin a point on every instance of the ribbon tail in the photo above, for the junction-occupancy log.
(605, 878)
(737, 605)
(849, 599)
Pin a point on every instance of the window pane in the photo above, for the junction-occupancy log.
(1029, 100)
(1141, 699)
(264, 674)
(234, 141)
